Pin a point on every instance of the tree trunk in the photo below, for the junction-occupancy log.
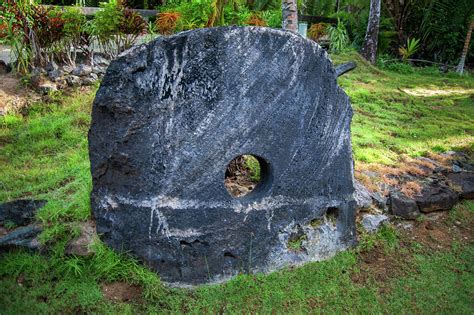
(289, 15)
(369, 49)
(460, 68)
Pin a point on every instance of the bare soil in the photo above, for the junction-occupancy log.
(121, 292)
(436, 233)
(13, 95)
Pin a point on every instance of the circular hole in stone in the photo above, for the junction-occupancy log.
(243, 174)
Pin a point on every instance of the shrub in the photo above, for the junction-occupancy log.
(272, 18)
(116, 27)
(338, 39)
(411, 48)
(256, 20)
(316, 31)
(167, 22)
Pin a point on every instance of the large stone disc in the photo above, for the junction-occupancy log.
(169, 117)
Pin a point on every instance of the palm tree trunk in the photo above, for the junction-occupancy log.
(369, 49)
(460, 67)
(289, 15)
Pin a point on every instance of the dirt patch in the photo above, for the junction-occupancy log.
(121, 292)
(436, 232)
(13, 95)
(376, 264)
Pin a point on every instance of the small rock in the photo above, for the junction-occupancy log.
(91, 79)
(457, 168)
(461, 166)
(24, 236)
(73, 81)
(80, 246)
(101, 61)
(373, 222)
(362, 196)
(35, 77)
(20, 212)
(465, 182)
(46, 87)
(67, 69)
(436, 196)
(379, 200)
(82, 70)
(55, 75)
(99, 70)
(404, 207)
(51, 66)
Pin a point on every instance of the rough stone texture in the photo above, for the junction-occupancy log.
(465, 182)
(81, 245)
(436, 196)
(24, 237)
(82, 70)
(362, 196)
(20, 212)
(168, 118)
(73, 80)
(373, 222)
(55, 75)
(402, 206)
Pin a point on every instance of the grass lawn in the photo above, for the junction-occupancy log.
(43, 154)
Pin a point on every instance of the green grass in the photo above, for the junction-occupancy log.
(43, 154)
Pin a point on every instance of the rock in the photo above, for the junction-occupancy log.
(461, 166)
(25, 237)
(35, 77)
(99, 70)
(362, 196)
(81, 246)
(20, 212)
(402, 206)
(457, 168)
(100, 61)
(73, 81)
(51, 66)
(169, 117)
(379, 200)
(46, 87)
(55, 75)
(90, 79)
(82, 70)
(373, 222)
(4, 67)
(67, 69)
(436, 196)
(465, 182)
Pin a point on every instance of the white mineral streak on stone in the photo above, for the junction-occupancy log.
(184, 233)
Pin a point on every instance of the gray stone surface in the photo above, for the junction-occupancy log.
(82, 70)
(362, 196)
(20, 212)
(168, 118)
(464, 182)
(436, 196)
(373, 222)
(73, 80)
(23, 237)
(404, 207)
